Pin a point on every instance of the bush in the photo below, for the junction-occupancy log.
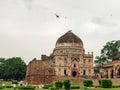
(100, 82)
(106, 83)
(47, 86)
(9, 86)
(54, 88)
(67, 84)
(116, 86)
(58, 84)
(97, 86)
(26, 88)
(88, 83)
(75, 87)
(2, 87)
(1, 82)
(14, 82)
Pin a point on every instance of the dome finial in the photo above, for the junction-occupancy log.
(70, 31)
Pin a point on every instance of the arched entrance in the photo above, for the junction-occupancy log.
(118, 74)
(106, 74)
(84, 72)
(112, 74)
(74, 73)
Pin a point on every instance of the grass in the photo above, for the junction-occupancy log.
(81, 87)
(76, 89)
(102, 89)
(7, 83)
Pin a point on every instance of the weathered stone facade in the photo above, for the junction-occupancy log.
(111, 69)
(39, 72)
(68, 59)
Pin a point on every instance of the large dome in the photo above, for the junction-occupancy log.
(69, 39)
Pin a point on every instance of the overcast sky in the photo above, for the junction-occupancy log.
(29, 28)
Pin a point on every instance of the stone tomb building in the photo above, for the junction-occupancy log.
(68, 59)
(111, 69)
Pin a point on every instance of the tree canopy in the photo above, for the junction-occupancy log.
(12, 68)
(108, 52)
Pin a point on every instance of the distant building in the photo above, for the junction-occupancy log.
(111, 69)
(68, 59)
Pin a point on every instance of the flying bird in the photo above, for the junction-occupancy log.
(57, 16)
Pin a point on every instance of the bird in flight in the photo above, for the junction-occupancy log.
(57, 16)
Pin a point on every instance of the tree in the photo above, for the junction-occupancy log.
(13, 68)
(2, 66)
(109, 51)
(100, 60)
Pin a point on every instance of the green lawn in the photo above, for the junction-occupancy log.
(102, 89)
(73, 89)
(81, 87)
(7, 83)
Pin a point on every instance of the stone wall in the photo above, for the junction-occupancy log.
(39, 72)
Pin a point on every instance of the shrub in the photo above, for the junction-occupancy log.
(26, 88)
(1, 82)
(14, 82)
(88, 83)
(47, 86)
(116, 86)
(106, 83)
(67, 84)
(58, 84)
(100, 82)
(54, 88)
(97, 86)
(75, 87)
(2, 87)
(9, 86)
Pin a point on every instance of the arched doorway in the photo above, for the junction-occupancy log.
(118, 74)
(74, 73)
(65, 72)
(117, 71)
(112, 74)
(106, 74)
(84, 72)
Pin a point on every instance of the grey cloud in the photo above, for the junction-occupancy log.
(30, 25)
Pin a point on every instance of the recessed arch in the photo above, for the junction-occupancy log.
(118, 73)
(74, 65)
(65, 72)
(112, 74)
(84, 72)
(106, 74)
(74, 73)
